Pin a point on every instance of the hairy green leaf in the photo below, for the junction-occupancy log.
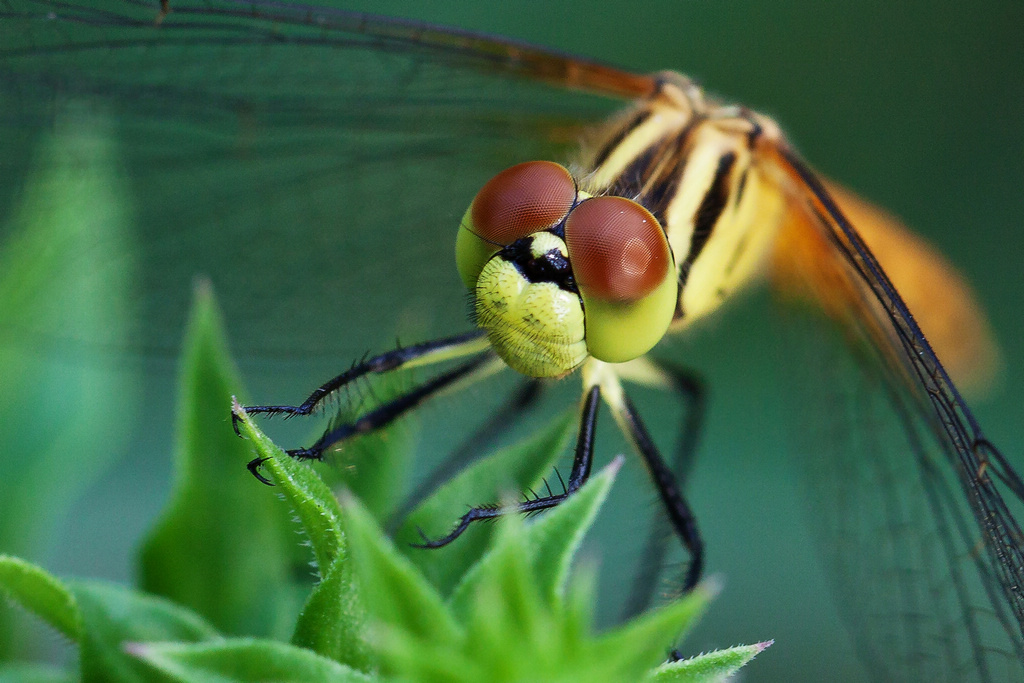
(712, 667)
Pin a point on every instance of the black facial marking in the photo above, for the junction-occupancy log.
(551, 266)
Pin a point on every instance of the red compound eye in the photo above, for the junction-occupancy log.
(617, 249)
(522, 200)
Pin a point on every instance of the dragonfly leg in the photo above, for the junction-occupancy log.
(680, 516)
(690, 388)
(386, 413)
(581, 466)
(435, 351)
(427, 353)
(522, 399)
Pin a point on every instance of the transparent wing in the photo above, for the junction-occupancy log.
(914, 509)
(314, 163)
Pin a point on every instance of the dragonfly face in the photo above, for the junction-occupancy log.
(596, 278)
(214, 159)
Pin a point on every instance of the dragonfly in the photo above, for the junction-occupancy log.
(956, 599)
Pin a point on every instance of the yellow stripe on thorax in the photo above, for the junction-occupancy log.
(741, 238)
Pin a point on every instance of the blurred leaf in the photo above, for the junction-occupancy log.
(515, 469)
(648, 638)
(241, 660)
(712, 667)
(508, 619)
(113, 615)
(223, 546)
(393, 591)
(100, 617)
(42, 594)
(66, 273)
(34, 673)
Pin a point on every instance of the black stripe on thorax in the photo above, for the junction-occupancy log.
(662, 190)
(653, 177)
(711, 208)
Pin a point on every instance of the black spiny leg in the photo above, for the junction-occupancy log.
(443, 349)
(678, 510)
(381, 416)
(524, 398)
(580, 473)
(421, 354)
(691, 390)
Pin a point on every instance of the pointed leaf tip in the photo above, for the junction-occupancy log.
(202, 288)
(238, 410)
(710, 667)
(712, 585)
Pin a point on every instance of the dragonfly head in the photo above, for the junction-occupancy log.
(558, 275)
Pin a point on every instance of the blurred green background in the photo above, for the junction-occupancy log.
(917, 106)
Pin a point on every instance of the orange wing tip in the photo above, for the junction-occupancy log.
(938, 296)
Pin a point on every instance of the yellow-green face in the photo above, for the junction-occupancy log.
(558, 275)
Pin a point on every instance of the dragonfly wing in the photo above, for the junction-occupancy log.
(315, 164)
(913, 507)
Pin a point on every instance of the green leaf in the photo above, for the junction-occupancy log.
(514, 629)
(712, 667)
(241, 660)
(34, 673)
(645, 640)
(332, 622)
(394, 592)
(66, 277)
(511, 618)
(550, 541)
(511, 470)
(223, 546)
(556, 537)
(113, 615)
(307, 494)
(509, 621)
(42, 594)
